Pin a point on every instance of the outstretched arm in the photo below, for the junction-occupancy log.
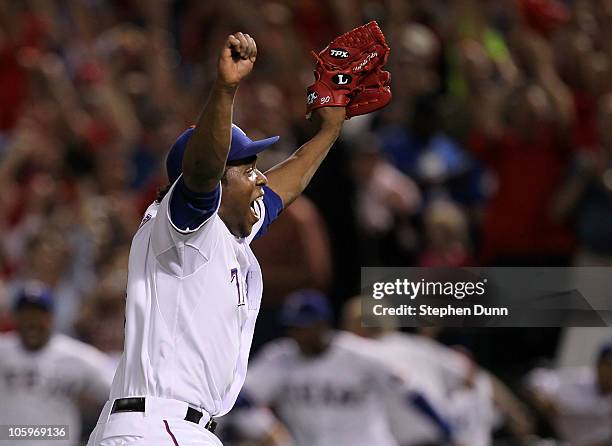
(207, 149)
(422, 404)
(519, 419)
(289, 178)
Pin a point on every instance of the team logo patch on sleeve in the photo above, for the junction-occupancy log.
(144, 220)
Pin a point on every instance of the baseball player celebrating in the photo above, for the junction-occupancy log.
(195, 287)
(47, 378)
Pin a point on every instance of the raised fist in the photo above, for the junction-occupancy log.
(236, 59)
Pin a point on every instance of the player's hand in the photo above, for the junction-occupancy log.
(236, 59)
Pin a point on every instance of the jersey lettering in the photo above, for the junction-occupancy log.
(235, 277)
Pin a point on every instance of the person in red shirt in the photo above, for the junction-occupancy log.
(529, 162)
(528, 156)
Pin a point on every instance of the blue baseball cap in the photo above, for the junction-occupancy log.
(34, 293)
(242, 147)
(305, 307)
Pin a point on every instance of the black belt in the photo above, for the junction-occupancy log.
(138, 405)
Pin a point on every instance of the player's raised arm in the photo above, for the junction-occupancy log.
(207, 149)
(289, 178)
(349, 81)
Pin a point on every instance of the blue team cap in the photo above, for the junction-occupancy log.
(242, 147)
(34, 293)
(305, 307)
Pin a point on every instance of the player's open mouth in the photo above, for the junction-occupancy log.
(253, 211)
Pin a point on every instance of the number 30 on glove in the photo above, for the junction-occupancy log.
(349, 73)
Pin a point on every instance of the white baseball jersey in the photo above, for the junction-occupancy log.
(336, 398)
(42, 387)
(192, 299)
(584, 414)
(439, 373)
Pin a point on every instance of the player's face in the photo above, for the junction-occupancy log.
(311, 339)
(604, 375)
(34, 326)
(243, 185)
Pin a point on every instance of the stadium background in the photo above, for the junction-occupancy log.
(494, 151)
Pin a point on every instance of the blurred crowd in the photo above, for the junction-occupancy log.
(495, 151)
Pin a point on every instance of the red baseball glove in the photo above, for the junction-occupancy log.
(349, 73)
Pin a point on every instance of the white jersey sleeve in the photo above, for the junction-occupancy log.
(179, 252)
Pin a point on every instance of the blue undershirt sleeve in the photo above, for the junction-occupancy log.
(189, 210)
